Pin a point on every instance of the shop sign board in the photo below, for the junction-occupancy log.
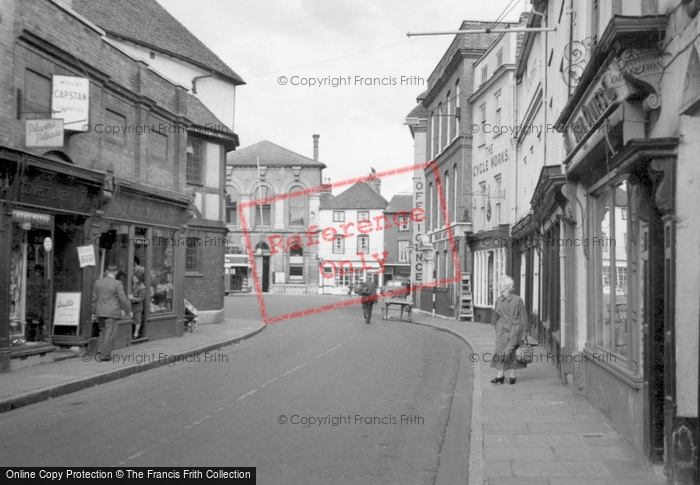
(44, 133)
(70, 101)
(86, 255)
(67, 309)
(138, 208)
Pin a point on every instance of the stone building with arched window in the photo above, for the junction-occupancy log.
(272, 202)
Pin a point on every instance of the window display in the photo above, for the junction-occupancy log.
(162, 271)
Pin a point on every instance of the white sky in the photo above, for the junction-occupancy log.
(360, 126)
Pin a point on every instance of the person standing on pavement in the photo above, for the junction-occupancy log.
(138, 294)
(368, 291)
(512, 327)
(108, 302)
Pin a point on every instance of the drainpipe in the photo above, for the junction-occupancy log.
(195, 79)
(562, 283)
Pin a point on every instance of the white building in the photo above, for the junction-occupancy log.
(351, 237)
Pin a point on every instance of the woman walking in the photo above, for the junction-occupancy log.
(512, 327)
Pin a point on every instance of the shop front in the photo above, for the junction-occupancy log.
(624, 178)
(45, 213)
(491, 252)
(142, 232)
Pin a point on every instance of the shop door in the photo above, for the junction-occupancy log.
(651, 288)
(266, 274)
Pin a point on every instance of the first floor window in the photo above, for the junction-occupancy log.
(338, 216)
(231, 205)
(338, 244)
(363, 244)
(403, 251)
(262, 209)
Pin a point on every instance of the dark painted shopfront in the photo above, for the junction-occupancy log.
(53, 215)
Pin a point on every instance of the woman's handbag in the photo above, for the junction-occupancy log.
(524, 353)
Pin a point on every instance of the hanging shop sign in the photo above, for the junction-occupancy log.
(67, 309)
(86, 256)
(631, 72)
(46, 133)
(70, 101)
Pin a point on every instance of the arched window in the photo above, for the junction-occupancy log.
(262, 211)
(232, 198)
(455, 196)
(458, 113)
(448, 119)
(446, 191)
(297, 207)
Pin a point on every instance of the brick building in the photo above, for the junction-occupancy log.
(146, 31)
(94, 147)
(397, 238)
(449, 141)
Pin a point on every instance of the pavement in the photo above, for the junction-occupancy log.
(27, 385)
(536, 432)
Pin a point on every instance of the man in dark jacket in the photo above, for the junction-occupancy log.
(108, 302)
(369, 297)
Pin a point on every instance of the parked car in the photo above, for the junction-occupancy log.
(396, 288)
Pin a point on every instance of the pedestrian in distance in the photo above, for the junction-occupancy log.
(368, 291)
(108, 303)
(512, 329)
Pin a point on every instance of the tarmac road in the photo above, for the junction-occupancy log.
(319, 399)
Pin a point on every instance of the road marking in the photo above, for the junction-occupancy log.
(199, 421)
(290, 371)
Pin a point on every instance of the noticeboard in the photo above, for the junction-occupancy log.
(67, 309)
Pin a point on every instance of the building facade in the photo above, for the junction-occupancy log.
(351, 238)
(612, 213)
(448, 182)
(493, 175)
(146, 31)
(397, 238)
(94, 147)
(283, 186)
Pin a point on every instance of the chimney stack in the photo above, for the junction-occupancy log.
(316, 147)
(377, 185)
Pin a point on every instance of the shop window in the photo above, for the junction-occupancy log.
(363, 244)
(297, 207)
(194, 159)
(232, 199)
(338, 244)
(30, 297)
(162, 271)
(610, 286)
(192, 250)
